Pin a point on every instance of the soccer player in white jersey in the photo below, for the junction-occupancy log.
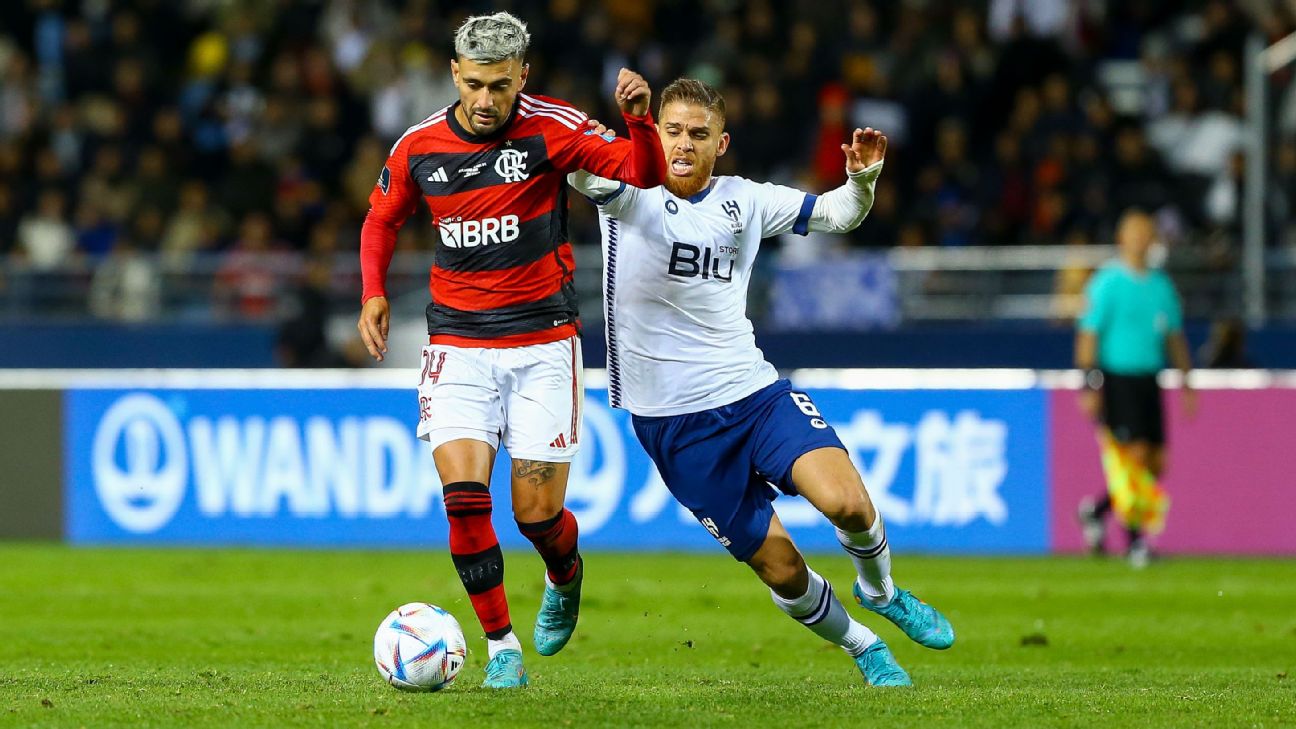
(713, 415)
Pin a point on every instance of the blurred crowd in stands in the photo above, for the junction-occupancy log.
(253, 130)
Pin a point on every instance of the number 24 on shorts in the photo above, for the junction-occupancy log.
(433, 361)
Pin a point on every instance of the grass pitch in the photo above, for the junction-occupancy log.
(196, 638)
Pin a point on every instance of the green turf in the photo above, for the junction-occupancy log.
(129, 637)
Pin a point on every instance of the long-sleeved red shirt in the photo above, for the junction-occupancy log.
(502, 275)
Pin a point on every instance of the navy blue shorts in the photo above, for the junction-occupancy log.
(720, 463)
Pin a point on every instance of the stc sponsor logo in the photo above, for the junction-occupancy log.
(460, 233)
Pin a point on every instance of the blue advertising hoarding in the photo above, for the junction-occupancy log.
(951, 470)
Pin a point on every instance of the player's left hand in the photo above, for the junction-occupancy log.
(1189, 402)
(1091, 404)
(868, 147)
(374, 325)
(599, 128)
(632, 93)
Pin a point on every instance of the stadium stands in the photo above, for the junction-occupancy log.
(147, 146)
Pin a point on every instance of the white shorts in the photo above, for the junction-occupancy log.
(528, 398)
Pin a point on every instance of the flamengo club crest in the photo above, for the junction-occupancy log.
(511, 165)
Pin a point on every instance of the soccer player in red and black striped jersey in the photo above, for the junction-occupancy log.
(503, 364)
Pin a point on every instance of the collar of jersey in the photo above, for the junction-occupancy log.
(452, 118)
(700, 195)
(1132, 272)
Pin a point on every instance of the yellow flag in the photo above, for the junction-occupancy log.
(1137, 498)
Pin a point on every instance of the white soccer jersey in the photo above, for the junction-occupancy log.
(675, 289)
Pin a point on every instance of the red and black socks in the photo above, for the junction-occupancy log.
(475, 550)
(555, 540)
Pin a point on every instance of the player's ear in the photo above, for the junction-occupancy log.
(454, 70)
(522, 77)
(724, 144)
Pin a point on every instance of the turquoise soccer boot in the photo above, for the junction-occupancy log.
(880, 668)
(921, 622)
(558, 613)
(505, 670)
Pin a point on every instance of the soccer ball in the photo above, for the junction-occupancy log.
(419, 647)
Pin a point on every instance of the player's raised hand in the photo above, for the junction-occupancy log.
(598, 128)
(632, 93)
(375, 320)
(867, 147)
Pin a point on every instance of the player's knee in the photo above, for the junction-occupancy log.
(535, 512)
(466, 499)
(848, 508)
(784, 573)
(782, 582)
(541, 530)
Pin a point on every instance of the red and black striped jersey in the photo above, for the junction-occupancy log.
(502, 273)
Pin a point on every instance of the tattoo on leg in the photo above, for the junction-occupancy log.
(535, 472)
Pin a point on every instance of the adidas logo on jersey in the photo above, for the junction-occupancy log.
(559, 442)
(439, 176)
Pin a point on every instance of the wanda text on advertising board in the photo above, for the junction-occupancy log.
(952, 471)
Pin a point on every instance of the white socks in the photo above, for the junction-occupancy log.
(872, 557)
(561, 588)
(508, 642)
(821, 611)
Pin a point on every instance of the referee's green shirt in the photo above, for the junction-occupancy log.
(1131, 314)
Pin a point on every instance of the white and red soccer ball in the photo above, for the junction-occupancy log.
(419, 647)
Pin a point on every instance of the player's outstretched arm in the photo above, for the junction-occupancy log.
(639, 161)
(646, 165)
(632, 93)
(867, 148)
(844, 208)
(596, 188)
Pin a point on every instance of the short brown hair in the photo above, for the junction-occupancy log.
(693, 91)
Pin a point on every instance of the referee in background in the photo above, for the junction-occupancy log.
(1131, 321)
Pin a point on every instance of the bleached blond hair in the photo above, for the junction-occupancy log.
(492, 38)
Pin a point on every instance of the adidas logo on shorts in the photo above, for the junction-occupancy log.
(559, 442)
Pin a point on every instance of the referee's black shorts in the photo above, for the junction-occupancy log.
(1132, 408)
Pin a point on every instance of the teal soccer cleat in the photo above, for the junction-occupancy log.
(880, 668)
(505, 670)
(557, 618)
(921, 622)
